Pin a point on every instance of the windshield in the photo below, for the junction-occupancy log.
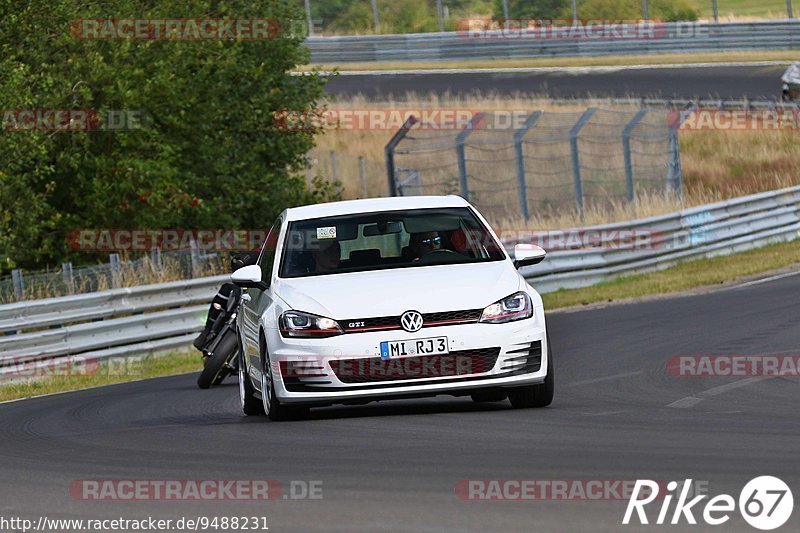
(395, 239)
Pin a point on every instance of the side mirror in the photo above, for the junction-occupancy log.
(249, 277)
(528, 254)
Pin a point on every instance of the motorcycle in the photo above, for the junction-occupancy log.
(221, 346)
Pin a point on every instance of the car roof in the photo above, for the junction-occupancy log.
(371, 205)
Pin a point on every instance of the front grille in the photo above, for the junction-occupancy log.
(452, 317)
(454, 364)
(387, 323)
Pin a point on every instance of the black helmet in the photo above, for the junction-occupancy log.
(241, 259)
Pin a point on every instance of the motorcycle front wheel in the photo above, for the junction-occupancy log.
(215, 368)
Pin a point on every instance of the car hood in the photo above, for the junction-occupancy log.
(392, 292)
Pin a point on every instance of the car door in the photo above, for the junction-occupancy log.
(256, 301)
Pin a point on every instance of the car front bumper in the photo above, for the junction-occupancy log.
(348, 368)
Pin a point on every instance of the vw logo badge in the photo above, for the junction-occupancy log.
(411, 321)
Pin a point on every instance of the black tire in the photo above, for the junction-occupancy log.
(488, 396)
(540, 395)
(274, 409)
(214, 370)
(251, 406)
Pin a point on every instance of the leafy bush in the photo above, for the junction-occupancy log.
(208, 156)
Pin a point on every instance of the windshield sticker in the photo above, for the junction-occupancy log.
(328, 232)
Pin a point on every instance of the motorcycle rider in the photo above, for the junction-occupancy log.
(238, 260)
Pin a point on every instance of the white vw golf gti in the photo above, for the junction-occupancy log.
(364, 300)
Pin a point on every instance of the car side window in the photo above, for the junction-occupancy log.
(267, 258)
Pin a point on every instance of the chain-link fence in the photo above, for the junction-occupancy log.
(543, 162)
(156, 267)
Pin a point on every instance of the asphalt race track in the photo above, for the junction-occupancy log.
(394, 466)
(727, 82)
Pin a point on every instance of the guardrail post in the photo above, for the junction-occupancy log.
(674, 169)
(362, 176)
(389, 152)
(519, 156)
(576, 160)
(116, 267)
(714, 10)
(461, 139)
(19, 284)
(375, 16)
(309, 20)
(155, 258)
(194, 256)
(789, 9)
(645, 15)
(66, 275)
(626, 150)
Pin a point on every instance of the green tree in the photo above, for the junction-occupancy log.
(208, 155)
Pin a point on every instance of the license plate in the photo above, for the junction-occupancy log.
(430, 346)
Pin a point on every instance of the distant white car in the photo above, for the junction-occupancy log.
(364, 300)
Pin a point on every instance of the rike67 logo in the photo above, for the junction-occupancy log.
(765, 503)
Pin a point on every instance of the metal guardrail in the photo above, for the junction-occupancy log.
(704, 231)
(166, 316)
(674, 37)
(128, 321)
(49, 312)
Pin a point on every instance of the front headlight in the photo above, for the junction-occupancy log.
(299, 324)
(518, 306)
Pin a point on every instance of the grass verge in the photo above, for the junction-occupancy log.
(602, 61)
(702, 273)
(118, 371)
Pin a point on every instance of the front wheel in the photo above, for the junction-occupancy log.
(271, 405)
(215, 367)
(250, 404)
(540, 395)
